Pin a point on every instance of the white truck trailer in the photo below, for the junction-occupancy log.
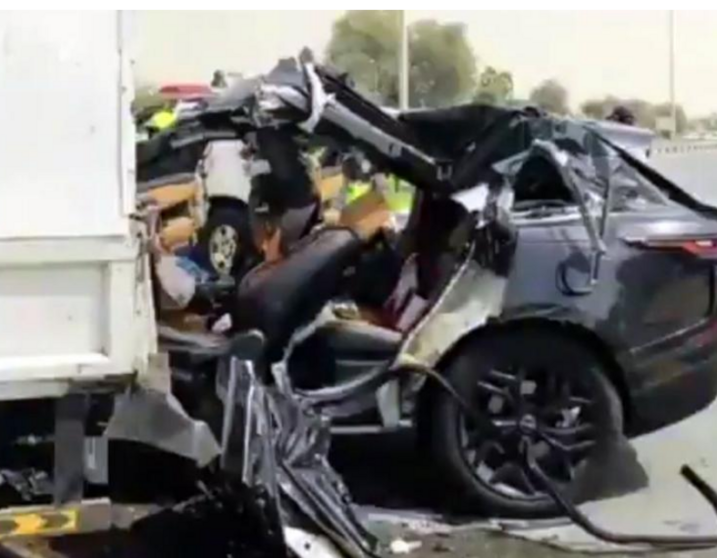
(76, 311)
(73, 311)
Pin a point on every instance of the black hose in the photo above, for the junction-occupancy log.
(709, 493)
(483, 423)
(672, 542)
(663, 542)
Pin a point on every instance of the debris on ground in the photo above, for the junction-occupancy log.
(400, 546)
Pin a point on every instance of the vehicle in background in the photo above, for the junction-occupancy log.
(225, 245)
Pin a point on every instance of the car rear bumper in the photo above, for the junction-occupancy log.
(676, 379)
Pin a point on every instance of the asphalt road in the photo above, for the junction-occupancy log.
(695, 171)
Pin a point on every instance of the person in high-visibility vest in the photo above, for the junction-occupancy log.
(162, 119)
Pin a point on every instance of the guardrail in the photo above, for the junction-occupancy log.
(663, 147)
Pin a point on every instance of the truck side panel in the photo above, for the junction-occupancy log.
(74, 298)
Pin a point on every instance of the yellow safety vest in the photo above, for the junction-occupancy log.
(356, 190)
(162, 119)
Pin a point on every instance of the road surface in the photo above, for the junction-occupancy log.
(696, 171)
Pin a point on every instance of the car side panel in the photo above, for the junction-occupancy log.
(654, 310)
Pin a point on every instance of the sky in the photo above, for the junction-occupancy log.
(593, 53)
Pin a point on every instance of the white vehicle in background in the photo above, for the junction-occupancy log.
(226, 234)
(170, 157)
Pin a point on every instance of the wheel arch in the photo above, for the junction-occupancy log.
(216, 202)
(577, 332)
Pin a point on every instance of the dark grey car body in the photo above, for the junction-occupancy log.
(651, 314)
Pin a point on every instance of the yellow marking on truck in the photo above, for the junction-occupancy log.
(39, 523)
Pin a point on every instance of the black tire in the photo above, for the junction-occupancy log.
(222, 218)
(556, 361)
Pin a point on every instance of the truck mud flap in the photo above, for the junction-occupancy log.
(158, 420)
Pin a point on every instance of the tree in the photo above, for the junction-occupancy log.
(494, 87)
(442, 64)
(595, 109)
(365, 44)
(551, 96)
(705, 123)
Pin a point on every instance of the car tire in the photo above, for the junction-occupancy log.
(225, 246)
(555, 360)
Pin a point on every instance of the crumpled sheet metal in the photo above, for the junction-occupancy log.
(591, 159)
(157, 419)
(475, 295)
(288, 461)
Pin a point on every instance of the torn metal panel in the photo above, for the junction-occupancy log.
(306, 477)
(474, 295)
(157, 419)
(286, 461)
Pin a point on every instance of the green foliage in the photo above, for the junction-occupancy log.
(365, 44)
(442, 64)
(495, 87)
(551, 96)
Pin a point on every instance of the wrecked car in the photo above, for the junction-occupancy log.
(537, 278)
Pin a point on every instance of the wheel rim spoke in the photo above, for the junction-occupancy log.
(505, 378)
(505, 473)
(490, 389)
(569, 431)
(574, 448)
(505, 425)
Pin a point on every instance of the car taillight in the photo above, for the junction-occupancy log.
(699, 246)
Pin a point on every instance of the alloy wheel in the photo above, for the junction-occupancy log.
(223, 248)
(549, 411)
